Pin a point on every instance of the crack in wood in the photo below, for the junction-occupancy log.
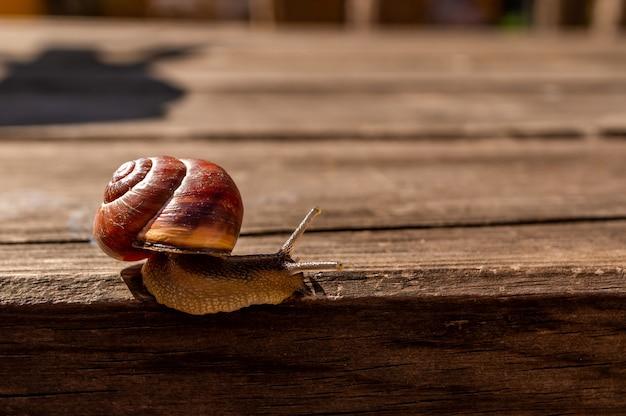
(374, 229)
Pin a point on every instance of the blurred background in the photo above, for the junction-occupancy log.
(499, 13)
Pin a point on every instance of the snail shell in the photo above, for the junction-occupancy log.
(172, 211)
(168, 204)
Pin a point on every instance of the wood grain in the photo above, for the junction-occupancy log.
(50, 191)
(538, 260)
(258, 84)
(515, 320)
(309, 112)
(554, 355)
(482, 276)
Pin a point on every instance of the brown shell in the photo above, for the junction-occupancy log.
(168, 204)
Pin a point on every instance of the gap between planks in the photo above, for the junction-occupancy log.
(287, 231)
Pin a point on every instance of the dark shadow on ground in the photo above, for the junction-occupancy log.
(66, 85)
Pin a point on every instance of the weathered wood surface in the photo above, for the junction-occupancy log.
(484, 275)
(372, 185)
(305, 115)
(531, 260)
(562, 355)
(308, 84)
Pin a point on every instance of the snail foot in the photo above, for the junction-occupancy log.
(134, 280)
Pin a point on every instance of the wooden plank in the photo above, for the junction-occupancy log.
(213, 46)
(357, 58)
(512, 319)
(360, 98)
(533, 260)
(108, 34)
(226, 103)
(454, 319)
(306, 114)
(91, 344)
(50, 191)
(313, 111)
(457, 314)
(331, 55)
(231, 82)
(455, 356)
(224, 50)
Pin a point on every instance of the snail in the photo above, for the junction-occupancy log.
(184, 216)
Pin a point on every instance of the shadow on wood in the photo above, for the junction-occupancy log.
(63, 85)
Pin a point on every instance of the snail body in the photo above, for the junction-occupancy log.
(205, 284)
(184, 217)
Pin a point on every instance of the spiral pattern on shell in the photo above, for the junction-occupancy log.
(168, 204)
